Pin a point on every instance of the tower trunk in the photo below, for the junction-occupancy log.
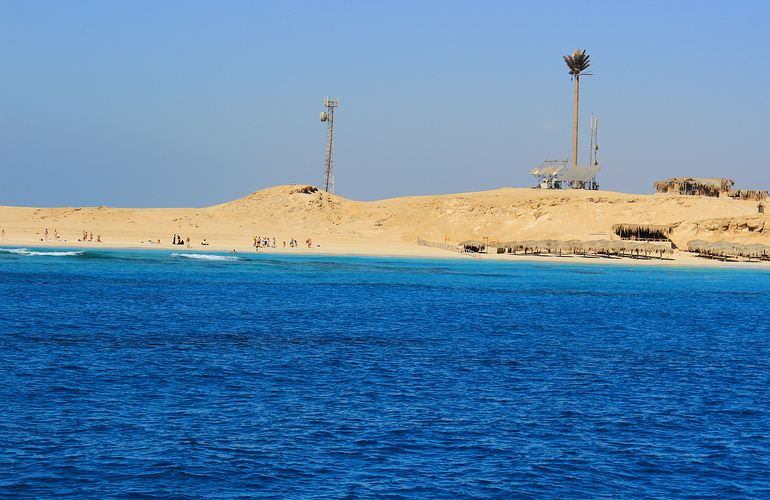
(575, 123)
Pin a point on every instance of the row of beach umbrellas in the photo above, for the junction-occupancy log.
(726, 249)
(578, 247)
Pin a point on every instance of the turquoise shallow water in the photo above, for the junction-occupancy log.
(150, 373)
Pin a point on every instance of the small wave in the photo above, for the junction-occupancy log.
(30, 253)
(200, 256)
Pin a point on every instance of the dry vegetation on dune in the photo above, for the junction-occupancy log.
(300, 211)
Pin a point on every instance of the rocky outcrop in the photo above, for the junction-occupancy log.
(734, 229)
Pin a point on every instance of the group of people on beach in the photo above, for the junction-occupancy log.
(54, 234)
(88, 236)
(46, 234)
(176, 239)
(179, 240)
(265, 242)
(258, 241)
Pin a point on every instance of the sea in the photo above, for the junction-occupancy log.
(161, 374)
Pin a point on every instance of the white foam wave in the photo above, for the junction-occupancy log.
(201, 256)
(30, 253)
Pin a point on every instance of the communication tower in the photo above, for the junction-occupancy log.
(328, 117)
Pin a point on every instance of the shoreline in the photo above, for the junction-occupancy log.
(392, 227)
(680, 259)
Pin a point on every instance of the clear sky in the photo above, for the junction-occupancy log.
(188, 103)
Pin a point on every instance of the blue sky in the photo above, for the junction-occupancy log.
(185, 103)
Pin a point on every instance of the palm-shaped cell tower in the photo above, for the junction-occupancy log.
(577, 62)
(555, 174)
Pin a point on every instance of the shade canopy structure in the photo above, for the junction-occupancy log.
(554, 174)
(547, 169)
(697, 186)
(748, 194)
(472, 246)
(643, 232)
(580, 173)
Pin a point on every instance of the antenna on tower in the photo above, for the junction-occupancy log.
(594, 139)
(328, 117)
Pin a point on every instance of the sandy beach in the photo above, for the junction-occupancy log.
(391, 227)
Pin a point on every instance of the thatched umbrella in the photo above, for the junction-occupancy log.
(605, 247)
(573, 246)
(530, 246)
(757, 250)
(514, 246)
(660, 250)
(723, 249)
(550, 246)
(590, 246)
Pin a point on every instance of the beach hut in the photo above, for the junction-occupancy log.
(643, 232)
(748, 194)
(472, 246)
(695, 186)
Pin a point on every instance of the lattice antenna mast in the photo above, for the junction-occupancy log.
(328, 117)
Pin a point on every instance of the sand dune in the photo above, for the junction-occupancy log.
(392, 226)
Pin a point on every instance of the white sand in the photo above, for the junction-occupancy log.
(391, 227)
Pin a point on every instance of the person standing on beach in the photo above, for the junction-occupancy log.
(3, 232)
(46, 234)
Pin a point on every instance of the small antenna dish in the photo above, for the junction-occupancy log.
(324, 116)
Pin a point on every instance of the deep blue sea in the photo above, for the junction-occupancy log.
(147, 373)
